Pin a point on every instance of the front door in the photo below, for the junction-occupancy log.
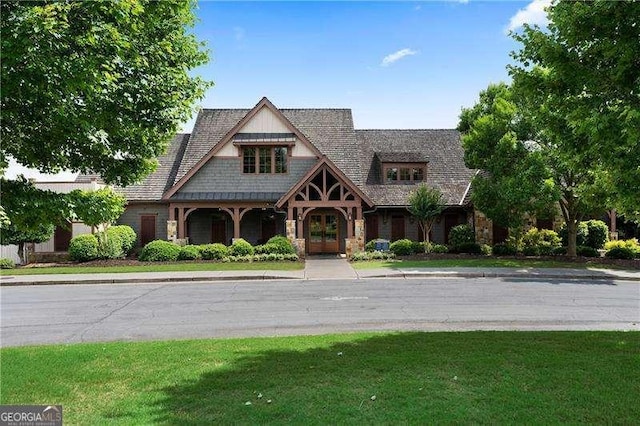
(323, 233)
(219, 231)
(147, 229)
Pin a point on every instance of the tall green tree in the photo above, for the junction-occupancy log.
(425, 204)
(96, 86)
(33, 213)
(585, 69)
(513, 180)
(94, 208)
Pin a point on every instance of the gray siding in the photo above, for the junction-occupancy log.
(225, 174)
(131, 217)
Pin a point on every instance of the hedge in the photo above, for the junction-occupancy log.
(214, 251)
(189, 252)
(401, 247)
(159, 251)
(241, 247)
(83, 248)
(7, 263)
(127, 236)
(461, 234)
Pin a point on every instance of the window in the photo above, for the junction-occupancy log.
(404, 173)
(264, 159)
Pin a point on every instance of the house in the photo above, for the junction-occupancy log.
(57, 246)
(305, 173)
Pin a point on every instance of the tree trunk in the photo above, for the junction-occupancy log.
(572, 236)
(21, 253)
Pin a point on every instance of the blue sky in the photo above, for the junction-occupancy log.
(331, 54)
(439, 55)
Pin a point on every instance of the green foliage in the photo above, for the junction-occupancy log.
(425, 204)
(401, 247)
(632, 244)
(470, 248)
(214, 251)
(32, 213)
(587, 251)
(597, 234)
(581, 235)
(83, 248)
(418, 247)
(279, 245)
(538, 242)
(559, 251)
(461, 234)
(7, 263)
(241, 247)
(4, 219)
(370, 246)
(127, 236)
(159, 251)
(372, 255)
(96, 86)
(97, 207)
(583, 69)
(486, 249)
(189, 252)
(504, 250)
(438, 248)
(109, 246)
(622, 253)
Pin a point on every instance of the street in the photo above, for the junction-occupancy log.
(93, 313)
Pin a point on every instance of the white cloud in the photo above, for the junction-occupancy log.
(533, 14)
(396, 56)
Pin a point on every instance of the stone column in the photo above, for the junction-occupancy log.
(484, 228)
(290, 229)
(172, 230)
(299, 244)
(359, 235)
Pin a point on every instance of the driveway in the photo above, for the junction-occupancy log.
(92, 313)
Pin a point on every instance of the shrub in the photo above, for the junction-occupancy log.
(214, 251)
(109, 246)
(159, 251)
(83, 248)
(471, 248)
(597, 234)
(587, 251)
(401, 247)
(6, 263)
(418, 247)
(536, 242)
(486, 249)
(632, 243)
(189, 252)
(504, 250)
(372, 255)
(127, 236)
(280, 245)
(370, 246)
(621, 253)
(559, 251)
(241, 247)
(461, 234)
(581, 239)
(439, 248)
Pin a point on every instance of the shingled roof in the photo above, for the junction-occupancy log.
(446, 170)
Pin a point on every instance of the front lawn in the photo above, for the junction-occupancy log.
(479, 262)
(159, 267)
(398, 378)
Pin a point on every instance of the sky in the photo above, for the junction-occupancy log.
(402, 64)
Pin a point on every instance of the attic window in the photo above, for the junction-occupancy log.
(404, 173)
(264, 159)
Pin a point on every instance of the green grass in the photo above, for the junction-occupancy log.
(417, 378)
(161, 267)
(489, 262)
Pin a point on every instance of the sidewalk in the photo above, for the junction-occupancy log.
(318, 268)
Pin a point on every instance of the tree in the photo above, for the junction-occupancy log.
(514, 181)
(586, 68)
(98, 87)
(33, 213)
(94, 208)
(425, 204)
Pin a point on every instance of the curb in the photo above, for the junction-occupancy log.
(149, 280)
(498, 275)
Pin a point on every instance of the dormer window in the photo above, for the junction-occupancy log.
(264, 153)
(403, 167)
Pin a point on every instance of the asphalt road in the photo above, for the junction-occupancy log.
(92, 313)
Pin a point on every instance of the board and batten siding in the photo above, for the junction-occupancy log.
(225, 175)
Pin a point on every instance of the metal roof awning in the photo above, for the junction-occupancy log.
(226, 196)
(264, 139)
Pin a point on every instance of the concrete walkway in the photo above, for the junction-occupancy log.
(323, 268)
(328, 267)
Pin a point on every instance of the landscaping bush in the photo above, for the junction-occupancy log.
(370, 246)
(372, 255)
(587, 251)
(536, 242)
(241, 247)
(214, 251)
(486, 249)
(438, 248)
(621, 253)
(597, 234)
(470, 248)
(127, 236)
(418, 247)
(401, 247)
(280, 245)
(581, 239)
(109, 246)
(632, 244)
(461, 234)
(83, 248)
(6, 263)
(189, 252)
(504, 250)
(159, 251)
(559, 251)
